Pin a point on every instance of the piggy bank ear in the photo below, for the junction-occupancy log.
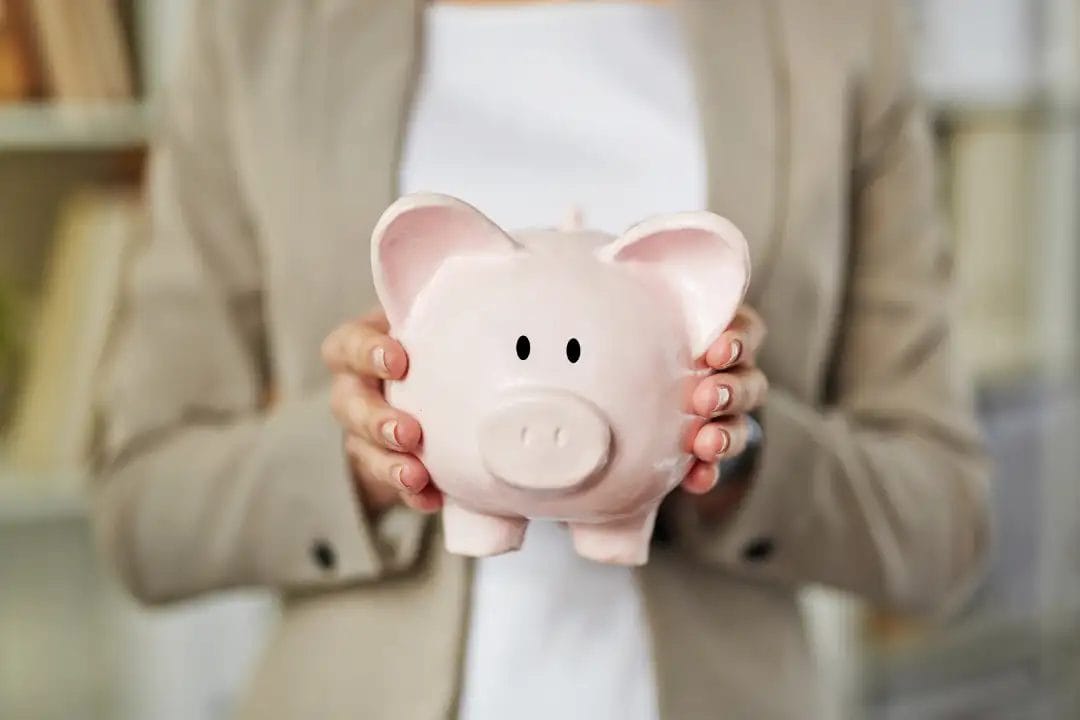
(701, 257)
(416, 235)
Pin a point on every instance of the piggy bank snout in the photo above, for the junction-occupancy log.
(545, 440)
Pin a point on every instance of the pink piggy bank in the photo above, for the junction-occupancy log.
(548, 368)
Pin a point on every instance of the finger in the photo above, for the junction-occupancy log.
(427, 500)
(376, 319)
(702, 478)
(364, 349)
(362, 410)
(403, 472)
(730, 393)
(721, 439)
(375, 497)
(739, 344)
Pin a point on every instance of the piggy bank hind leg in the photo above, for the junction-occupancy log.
(620, 542)
(467, 532)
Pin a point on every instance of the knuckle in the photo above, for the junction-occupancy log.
(355, 447)
(374, 478)
(355, 345)
(360, 469)
(341, 386)
(337, 409)
(375, 318)
(339, 401)
(737, 434)
(347, 393)
(346, 331)
(385, 473)
(328, 349)
(748, 392)
(335, 346)
(356, 420)
(367, 339)
(763, 386)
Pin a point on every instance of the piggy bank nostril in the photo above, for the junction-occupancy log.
(560, 437)
(526, 436)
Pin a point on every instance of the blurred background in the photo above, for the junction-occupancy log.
(78, 84)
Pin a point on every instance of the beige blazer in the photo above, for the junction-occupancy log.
(278, 151)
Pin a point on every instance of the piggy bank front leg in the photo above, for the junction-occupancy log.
(620, 542)
(467, 532)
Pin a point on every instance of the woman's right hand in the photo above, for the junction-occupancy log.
(380, 441)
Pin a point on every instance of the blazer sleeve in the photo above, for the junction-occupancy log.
(882, 490)
(198, 486)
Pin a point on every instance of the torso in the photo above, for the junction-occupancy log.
(318, 169)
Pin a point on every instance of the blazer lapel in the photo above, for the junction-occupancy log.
(371, 51)
(743, 97)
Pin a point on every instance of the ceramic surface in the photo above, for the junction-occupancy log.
(550, 369)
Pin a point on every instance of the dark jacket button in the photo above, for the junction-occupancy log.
(759, 550)
(322, 553)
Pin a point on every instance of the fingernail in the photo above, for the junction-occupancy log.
(736, 351)
(725, 443)
(378, 356)
(389, 433)
(723, 397)
(354, 349)
(398, 473)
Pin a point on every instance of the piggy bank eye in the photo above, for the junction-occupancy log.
(573, 350)
(523, 347)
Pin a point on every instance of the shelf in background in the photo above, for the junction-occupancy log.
(1039, 110)
(57, 126)
(25, 509)
(19, 505)
(1010, 657)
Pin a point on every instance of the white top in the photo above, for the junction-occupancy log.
(526, 111)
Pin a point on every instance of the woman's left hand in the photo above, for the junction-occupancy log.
(723, 399)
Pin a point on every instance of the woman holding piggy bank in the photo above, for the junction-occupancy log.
(841, 452)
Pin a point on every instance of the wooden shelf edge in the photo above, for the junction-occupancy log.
(15, 510)
(69, 126)
(20, 505)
